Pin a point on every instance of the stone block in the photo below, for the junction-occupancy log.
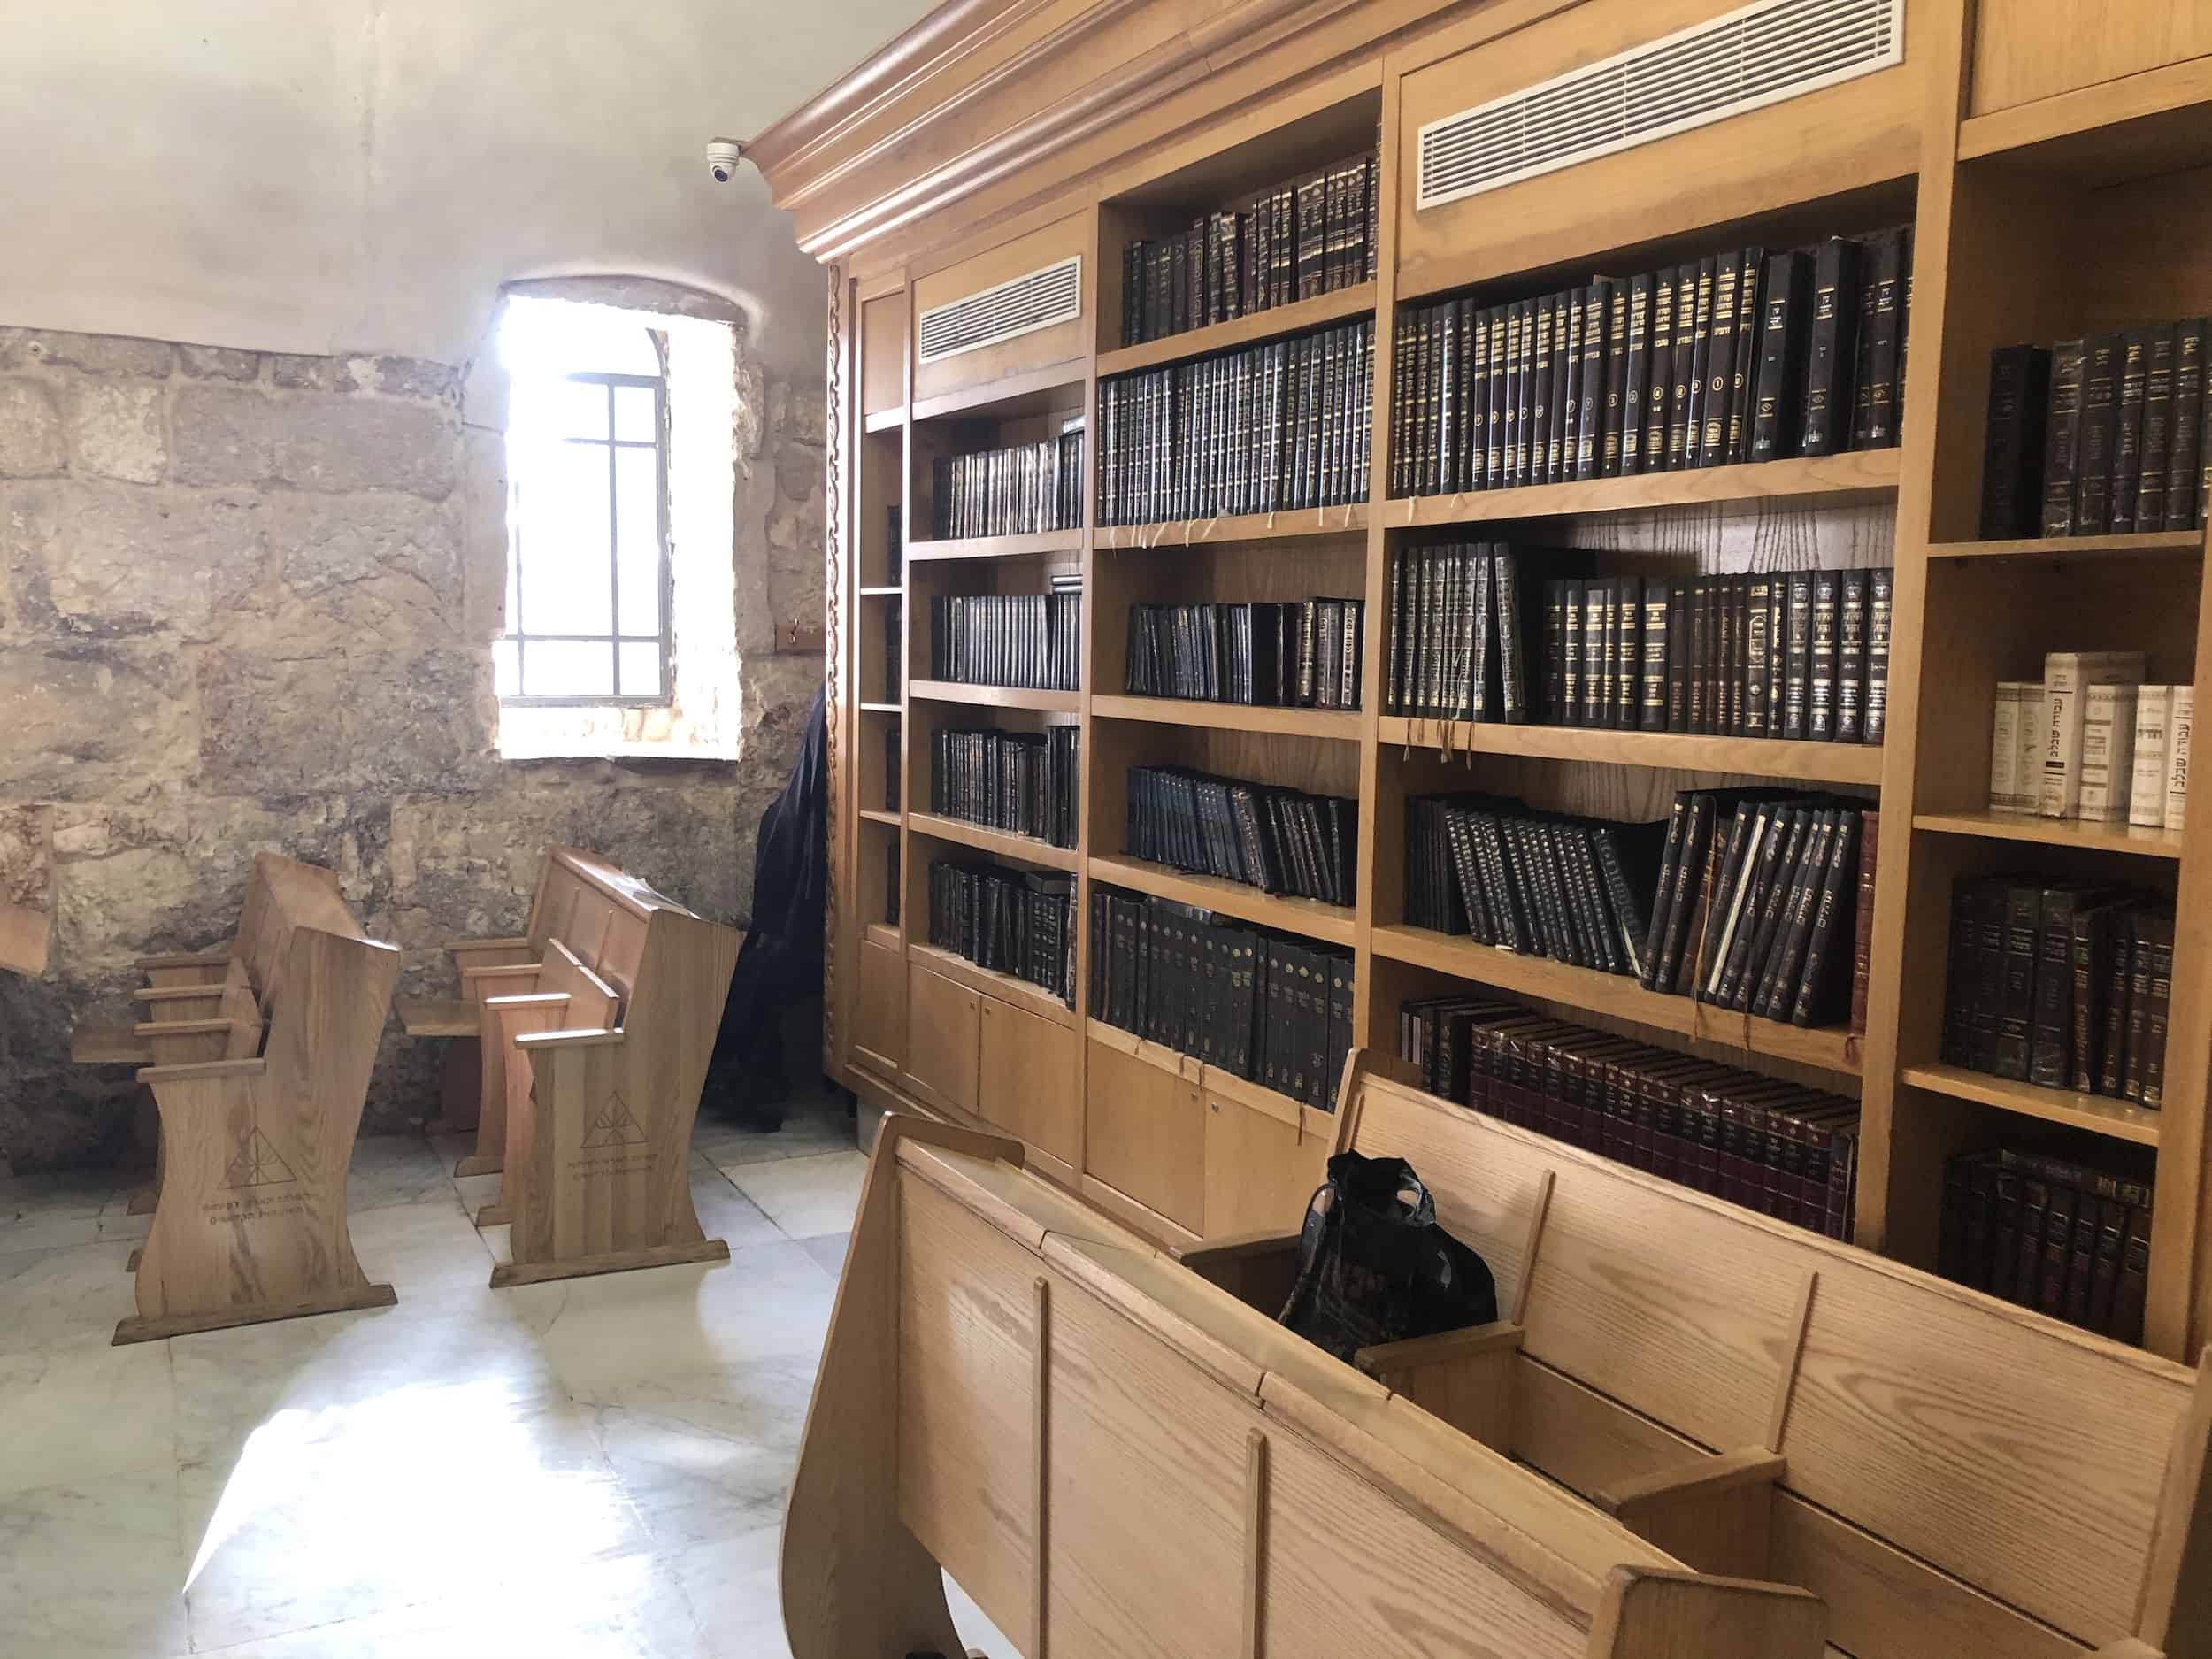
(223, 434)
(118, 429)
(23, 855)
(114, 559)
(361, 443)
(89, 717)
(100, 354)
(382, 569)
(30, 430)
(219, 363)
(414, 377)
(484, 548)
(377, 722)
(304, 374)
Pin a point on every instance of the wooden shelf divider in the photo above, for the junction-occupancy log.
(1339, 724)
(1824, 481)
(1243, 331)
(1023, 848)
(2093, 1112)
(883, 708)
(1750, 757)
(2053, 832)
(1289, 523)
(877, 815)
(1831, 1048)
(993, 696)
(2166, 543)
(1037, 544)
(1030, 391)
(1331, 924)
(884, 421)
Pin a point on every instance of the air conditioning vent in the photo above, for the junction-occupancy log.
(1760, 55)
(1042, 298)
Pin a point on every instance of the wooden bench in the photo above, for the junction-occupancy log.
(261, 1057)
(1947, 1474)
(594, 1057)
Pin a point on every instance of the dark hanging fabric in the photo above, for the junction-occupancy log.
(780, 962)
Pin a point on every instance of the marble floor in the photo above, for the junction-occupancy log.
(593, 1469)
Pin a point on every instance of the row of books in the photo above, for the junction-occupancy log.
(1024, 490)
(1022, 782)
(1294, 654)
(1013, 922)
(1293, 241)
(1802, 655)
(1272, 1010)
(2096, 437)
(1753, 901)
(1268, 429)
(2060, 983)
(2090, 740)
(1745, 356)
(1777, 1148)
(1032, 641)
(1280, 841)
(2048, 1233)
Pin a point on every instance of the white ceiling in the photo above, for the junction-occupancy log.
(361, 175)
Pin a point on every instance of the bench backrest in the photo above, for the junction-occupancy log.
(593, 1005)
(601, 913)
(1946, 1453)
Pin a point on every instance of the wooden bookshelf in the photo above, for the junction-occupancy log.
(1250, 1095)
(877, 815)
(1744, 757)
(2096, 1113)
(1023, 848)
(884, 590)
(2039, 214)
(1615, 995)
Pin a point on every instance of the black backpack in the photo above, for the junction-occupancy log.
(1374, 1267)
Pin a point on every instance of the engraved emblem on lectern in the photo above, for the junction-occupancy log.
(256, 1163)
(615, 1126)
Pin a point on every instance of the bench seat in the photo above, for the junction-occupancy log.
(108, 1045)
(436, 1017)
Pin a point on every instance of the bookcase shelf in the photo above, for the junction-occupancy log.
(2114, 1119)
(2157, 543)
(1037, 544)
(1022, 848)
(882, 933)
(1825, 480)
(1746, 756)
(1029, 998)
(1231, 717)
(1331, 924)
(1250, 526)
(877, 815)
(1229, 1086)
(2055, 832)
(1243, 331)
(993, 696)
(1831, 1049)
(882, 708)
(1030, 392)
(884, 421)
(886, 590)
(2151, 122)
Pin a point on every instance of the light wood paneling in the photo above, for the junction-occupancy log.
(1025, 352)
(1027, 1079)
(1144, 1133)
(1259, 1171)
(880, 1004)
(943, 1027)
(2026, 49)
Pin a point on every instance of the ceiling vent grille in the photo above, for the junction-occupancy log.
(1039, 300)
(1760, 55)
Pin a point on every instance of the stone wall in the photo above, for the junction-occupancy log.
(245, 603)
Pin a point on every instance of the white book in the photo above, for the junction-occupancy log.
(2066, 675)
(2184, 715)
(2004, 750)
(2146, 789)
(2108, 752)
(2030, 743)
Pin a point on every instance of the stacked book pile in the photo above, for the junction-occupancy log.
(1272, 1010)
(2059, 1237)
(1267, 428)
(1021, 782)
(1280, 841)
(2090, 740)
(1778, 1147)
(1802, 655)
(1032, 641)
(1747, 356)
(1297, 654)
(1011, 921)
(1022, 490)
(2060, 983)
(1756, 901)
(1312, 236)
(2097, 436)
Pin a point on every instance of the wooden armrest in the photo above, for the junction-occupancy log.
(186, 959)
(1697, 1478)
(423, 1017)
(108, 1045)
(502, 971)
(2128, 1647)
(1443, 1348)
(1235, 1247)
(529, 999)
(1651, 1613)
(175, 992)
(202, 1069)
(566, 1039)
(149, 1028)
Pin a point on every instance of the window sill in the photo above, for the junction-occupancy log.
(577, 750)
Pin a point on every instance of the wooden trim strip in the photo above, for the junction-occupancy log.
(1041, 1472)
(1254, 1542)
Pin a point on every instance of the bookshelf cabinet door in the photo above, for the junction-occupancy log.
(1145, 1136)
(880, 1009)
(942, 1026)
(1259, 1173)
(1027, 1084)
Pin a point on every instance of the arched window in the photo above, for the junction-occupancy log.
(587, 560)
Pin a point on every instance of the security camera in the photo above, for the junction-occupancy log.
(722, 155)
